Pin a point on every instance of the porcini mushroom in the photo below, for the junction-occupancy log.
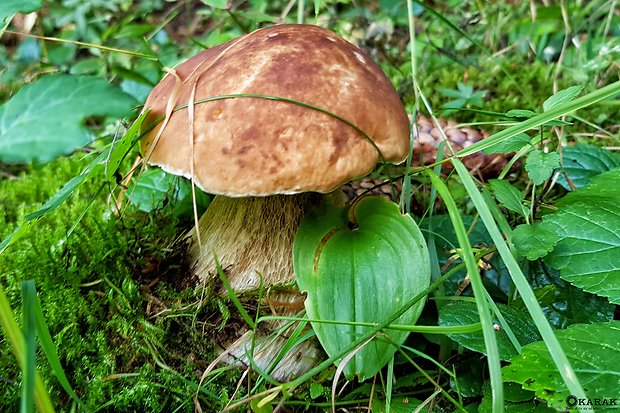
(263, 156)
(277, 120)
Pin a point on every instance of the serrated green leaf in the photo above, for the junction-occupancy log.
(602, 187)
(9, 7)
(317, 390)
(582, 162)
(360, 275)
(510, 145)
(509, 196)
(517, 400)
(540, 165)
(594, 353)
(563, 96)
(563, 303)
(534, 241)
(588, 251)
(461, 313)
(588, 224)
(44, 119)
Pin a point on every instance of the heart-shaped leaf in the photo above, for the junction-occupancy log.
(360, 271)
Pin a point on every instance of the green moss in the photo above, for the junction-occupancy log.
(98, 303)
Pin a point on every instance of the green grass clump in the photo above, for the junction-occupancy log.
(95, 292)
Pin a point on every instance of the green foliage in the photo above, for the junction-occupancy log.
(534, 241)
(592, 349)
(563, 96)
(360, 275)
(464, 96)
(156, 189)
(43, 120)
(399, 404)
(509, 196)
(510, 145)
(563, 303)
(131, 339)
(9, 7)
(517, 401)
(463, 312)
(107, 344)
(540, 165)
(582, 162)
(589, 237)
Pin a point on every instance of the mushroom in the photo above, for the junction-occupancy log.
(269, 158)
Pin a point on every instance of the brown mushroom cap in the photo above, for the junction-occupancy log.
(251, 146)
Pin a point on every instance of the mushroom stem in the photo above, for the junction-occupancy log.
(251, 238)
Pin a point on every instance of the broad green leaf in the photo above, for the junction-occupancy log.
(588, 224)
(107, 162)
(540, 165)
(602, 187)
(517, 400)
(9, 7)
(510, 145)
(563, 303)
(361, 274)
(563, 96)
(469, 376)
(534, 241)
(156, 188)
(44, 119)
(592, 349)
(588, 251)
(462, 312)
(509, 196)
(582, 162)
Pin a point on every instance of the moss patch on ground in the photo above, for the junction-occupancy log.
(124, 325)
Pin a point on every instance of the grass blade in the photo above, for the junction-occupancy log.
(16, 339)
(30, 346)
(467, 255)
(233, 297)
(49, 348)
(542, 118)
(529, 299)
(84, 44)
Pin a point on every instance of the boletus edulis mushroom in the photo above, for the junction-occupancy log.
(275, 122)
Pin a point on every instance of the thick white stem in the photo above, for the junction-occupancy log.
(252, 238)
